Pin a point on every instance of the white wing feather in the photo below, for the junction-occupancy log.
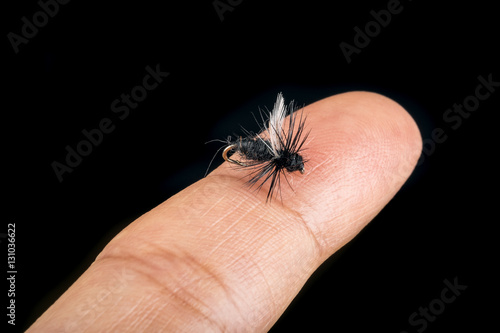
(275, 127)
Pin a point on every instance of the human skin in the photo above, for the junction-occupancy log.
(218, 257)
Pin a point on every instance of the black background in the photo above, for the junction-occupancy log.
(441, 225)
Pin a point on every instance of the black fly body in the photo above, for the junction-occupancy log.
(269, 154)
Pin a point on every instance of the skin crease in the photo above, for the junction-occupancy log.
(216, 257)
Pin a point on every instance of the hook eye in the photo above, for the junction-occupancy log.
(228, 159)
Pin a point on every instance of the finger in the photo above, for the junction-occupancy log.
(217, 257)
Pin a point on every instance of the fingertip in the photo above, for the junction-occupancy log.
(362, 148)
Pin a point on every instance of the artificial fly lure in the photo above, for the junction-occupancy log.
(272, 152)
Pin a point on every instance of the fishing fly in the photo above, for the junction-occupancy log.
(276, 150)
